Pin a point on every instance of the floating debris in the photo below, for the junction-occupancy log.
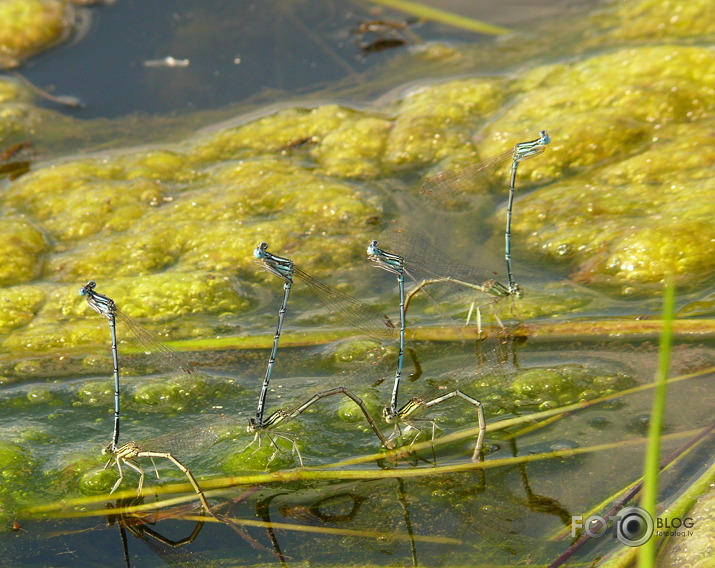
(168, 61)
(66, 100)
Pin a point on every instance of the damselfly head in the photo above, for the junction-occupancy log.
(260, 251)
(388, 415)
(87, 288)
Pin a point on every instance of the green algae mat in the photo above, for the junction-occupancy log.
(621, 199)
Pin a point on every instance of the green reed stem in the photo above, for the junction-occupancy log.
(428, 13)
(646, 553)
(63, 508)
(572, 330)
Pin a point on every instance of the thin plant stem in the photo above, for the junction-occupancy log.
(573, 330)
(647, 552)
(428, 13)
(320, 474)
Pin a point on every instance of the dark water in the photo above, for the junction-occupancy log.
(236, 50)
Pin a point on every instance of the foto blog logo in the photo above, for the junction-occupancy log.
(632, 526)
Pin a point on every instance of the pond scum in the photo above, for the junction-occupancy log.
(621, 199)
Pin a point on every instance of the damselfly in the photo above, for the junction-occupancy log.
(445, 186)
(349, 310)
(166, 358)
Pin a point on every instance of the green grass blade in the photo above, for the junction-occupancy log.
(646, 553)
(436, 15)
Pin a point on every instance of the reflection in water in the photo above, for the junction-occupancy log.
(502, 514)
(428, 520)
(170, 550)
(363, 516)
(357, 513)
